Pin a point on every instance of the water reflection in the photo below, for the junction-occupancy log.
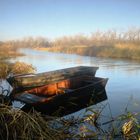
(124, 75)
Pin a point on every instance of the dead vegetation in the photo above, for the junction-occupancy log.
(22, 68)
(112, 43)
(16, 124)
(16, 68)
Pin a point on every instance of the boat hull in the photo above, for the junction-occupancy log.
(69, 102)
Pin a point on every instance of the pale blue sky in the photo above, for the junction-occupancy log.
(55, 18)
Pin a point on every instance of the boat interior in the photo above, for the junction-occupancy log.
(65, 86)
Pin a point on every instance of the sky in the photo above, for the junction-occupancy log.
(56, 18)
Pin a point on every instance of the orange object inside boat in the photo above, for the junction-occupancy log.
(60, 87)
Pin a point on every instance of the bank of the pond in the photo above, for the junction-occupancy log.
(111, 44)
(7, 52)
(123, 51)
(16, 124)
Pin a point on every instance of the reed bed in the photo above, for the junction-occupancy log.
(15, 68)
(111, 43)
(8, 50)
(22, 68)
(16, 124)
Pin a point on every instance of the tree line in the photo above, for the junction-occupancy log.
(110, 43)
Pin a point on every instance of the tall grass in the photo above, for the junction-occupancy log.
(111, 43)
(16, 124)
(8, 50)
(3, 69)
(15, 68)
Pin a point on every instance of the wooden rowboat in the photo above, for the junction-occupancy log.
(60, 92)
(29, 81)
(64, 97)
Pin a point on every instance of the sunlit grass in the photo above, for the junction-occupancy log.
(111, 43)
(16, 68)
(22, 68)
(124, 50)
(16, 124)
(3, 69)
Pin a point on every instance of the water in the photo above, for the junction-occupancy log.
(123, 87)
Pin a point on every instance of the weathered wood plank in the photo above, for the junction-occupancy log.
(40, 79)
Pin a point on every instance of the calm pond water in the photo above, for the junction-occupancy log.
(124, 75)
